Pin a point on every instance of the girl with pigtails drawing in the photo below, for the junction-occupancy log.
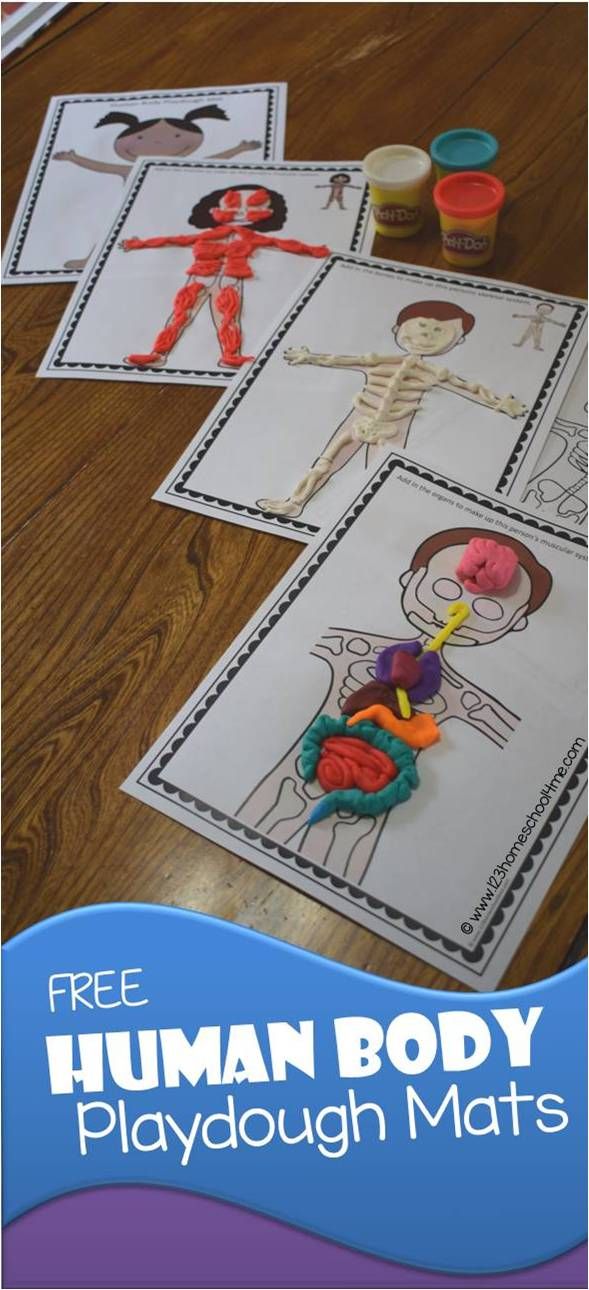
(157, 137)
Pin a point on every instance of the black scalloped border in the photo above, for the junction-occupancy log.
(178, 487)
(528, 869)
(12, 267)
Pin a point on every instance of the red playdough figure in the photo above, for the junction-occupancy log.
(220, 262)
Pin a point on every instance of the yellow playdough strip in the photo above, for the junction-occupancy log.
(457, 613)
(404, 704)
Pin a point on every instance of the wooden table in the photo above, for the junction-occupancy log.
(116, 607)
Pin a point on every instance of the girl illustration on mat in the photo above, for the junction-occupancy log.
(231, 219)
(157, 137)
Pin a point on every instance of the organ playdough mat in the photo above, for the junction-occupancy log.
(463, 375)
(455, 873)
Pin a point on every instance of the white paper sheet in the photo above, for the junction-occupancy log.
(456, 873)
(557, 487)
(261, 439)
(125, 299)
(65, 206)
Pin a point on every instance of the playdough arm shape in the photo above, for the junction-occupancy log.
(147, 243)
(295, 356)
(87, 163)
(478, 393)
(295, 247)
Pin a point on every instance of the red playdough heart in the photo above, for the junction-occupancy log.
(405, 670)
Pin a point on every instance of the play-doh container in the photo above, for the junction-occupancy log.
(464, 149)
(468, 204)
(397, 176)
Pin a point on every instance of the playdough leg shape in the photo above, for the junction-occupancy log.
(226, 307)
(187, 303)
(339, 450)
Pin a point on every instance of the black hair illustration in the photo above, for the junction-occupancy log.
(133, 124)
(201, 216)
(341, 178)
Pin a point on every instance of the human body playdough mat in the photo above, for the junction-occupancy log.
(375, 357)
(89, 144)
(197, 263)
(455, 873)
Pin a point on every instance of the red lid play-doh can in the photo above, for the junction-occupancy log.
(468, 204)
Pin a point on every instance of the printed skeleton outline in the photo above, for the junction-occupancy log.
(559, 488)
(345, 843)
(536, 324)
(229, 219)
(384, 410)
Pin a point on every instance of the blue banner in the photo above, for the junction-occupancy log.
(146, 1045)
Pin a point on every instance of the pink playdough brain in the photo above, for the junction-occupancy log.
(487, 565)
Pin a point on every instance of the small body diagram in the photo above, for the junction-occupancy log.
(336, 188)
(384, 411)
(536, 322)
(280, 804)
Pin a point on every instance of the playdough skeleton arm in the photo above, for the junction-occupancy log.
(301, 354)
(478, 393)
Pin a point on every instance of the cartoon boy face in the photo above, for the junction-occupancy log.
(158, 140)
(430, 590)
(429, 335)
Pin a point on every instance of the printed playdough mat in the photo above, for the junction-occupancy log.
(462, 375)
(557, 487)
(89, 144)
(456, 873)
(232, 244)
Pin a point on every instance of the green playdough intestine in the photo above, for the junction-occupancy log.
(354, 799)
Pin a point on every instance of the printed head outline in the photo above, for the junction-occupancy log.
(430, 585)
(431, 327)
(221, 207)
(544, 309)
(341, 178)
(160, 136)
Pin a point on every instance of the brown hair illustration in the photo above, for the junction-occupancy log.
(540, 577)
(438, 309)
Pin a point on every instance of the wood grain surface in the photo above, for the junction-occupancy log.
(115, 607)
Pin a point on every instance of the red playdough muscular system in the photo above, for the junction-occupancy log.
(221, 257)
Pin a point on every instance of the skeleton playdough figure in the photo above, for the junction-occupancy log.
(221, 257)
(394, 387)
(280, 805)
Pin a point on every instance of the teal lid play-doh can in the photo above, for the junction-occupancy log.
(464, 150)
